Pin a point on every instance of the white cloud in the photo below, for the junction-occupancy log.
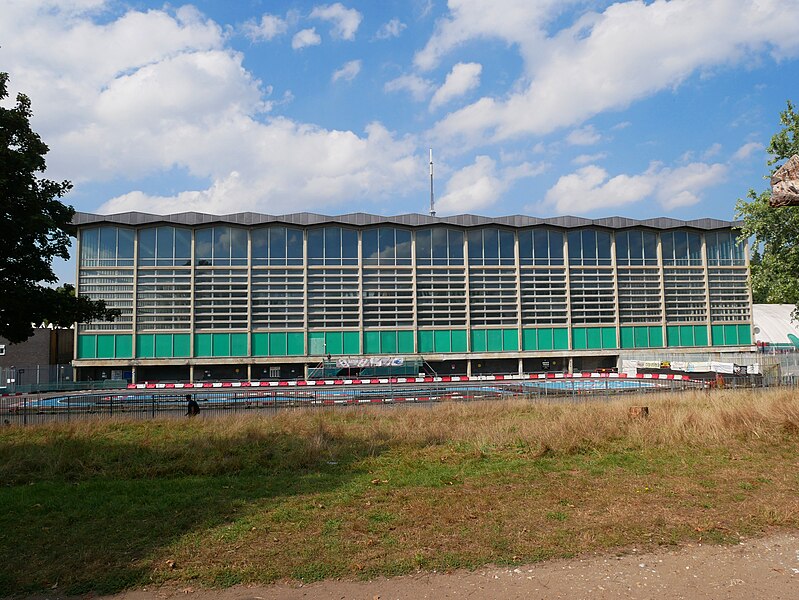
(591, 188)
(268, 28)
(348, 72)
(345, 20)
(151, 92)
(391, 29)
(463, 78)
(747, 150)
(712, 151)
(584, 159)
(603, 61)
(480, 185)
(584, 136)
(419, 88)
(305, 38)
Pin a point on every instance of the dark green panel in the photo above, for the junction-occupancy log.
(642, 337)
(744, 334)
(594, 338)
(479, 340)
(405, 342)
(203, 344)
(529, 339)
(717, 334)
(294, 343)
(510, 339)
(145, 345)
(700, 335)
(335, 342)
(731, 335)
(609, 337)
(579, 338)
(459, 340)
(546, 339)
(87, 346)
(238, 344)
(163, 345)
(260, 344)
(371, 342)
(388, 342)
(443, 340)
(628, 337)
(560, 339)
(687, 335)
(278, 343)
(656, 337)
(352, 345)
(124, 345)
(673, 335)
(494, 340)
(105, 346)
(425, 341)
(181, 345)
(220, 344)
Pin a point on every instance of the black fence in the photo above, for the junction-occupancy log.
(151, 404)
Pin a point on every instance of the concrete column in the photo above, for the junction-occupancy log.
(521, 366)
(469, 367)
(570, 368)
(133, 375)
(191, 373)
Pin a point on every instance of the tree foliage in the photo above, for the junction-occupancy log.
(34, 229)
(774, 231)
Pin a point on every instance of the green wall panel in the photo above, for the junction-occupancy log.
(594, 338)
(560, 339)
(529, 339)
(609, 337)
(123, 345)
(627, 337)
(459, 340)
(700, 335)
(579, 338)
(278, 343)
(442, 340)
(203, 344)
(744, 334)
(145, 345)
(87, 346)
(510, 339)
(426, 341)
(494, 340)
(656, 337)
(351, 343)
(295, 343)
(181, 345)
(687, 335)
(260, 344)
(220, 344)
(105, 346)
(371, 342)
(334, 341)
(316, 343)
(388, 342)
(546, 339)
(642, 337)
(238, 344)
(479, 340)
(163, 345)
(405, 342)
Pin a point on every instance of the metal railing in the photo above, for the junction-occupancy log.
(151, 404)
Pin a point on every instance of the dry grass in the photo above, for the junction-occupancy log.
(361, 492)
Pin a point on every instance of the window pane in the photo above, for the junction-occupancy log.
(439, 246)
(125, 245)
(349, 246)
(238, 246)
(650, 247)
(475, 238)
(369, 246)
(165, 245)
(589, 246)
(403, 246)
(332, 245)
(636, 247)
(423, 246)
(575, 247)
(182, 246)
(108, 244)
(316, 246)
(386, 245)
(695, 248)
(204, 245)
(603, 247)
(556, 247)
(146, 245)
(622, 247)
(526, 246)
(680, 247)
(667, 241)
(294, 245)
(506, 247)
(455, 247)
(491, 246)
(260, 244)
(277, 245)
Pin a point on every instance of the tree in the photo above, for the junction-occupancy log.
(774, 231)
(34, 228)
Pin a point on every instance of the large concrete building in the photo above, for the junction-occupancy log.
(252, 296)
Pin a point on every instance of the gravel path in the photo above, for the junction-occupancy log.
(758, 568)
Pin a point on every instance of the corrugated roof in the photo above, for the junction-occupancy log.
(361, 219)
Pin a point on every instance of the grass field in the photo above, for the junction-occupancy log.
(359, 492)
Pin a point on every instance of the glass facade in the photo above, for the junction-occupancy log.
(221, 290)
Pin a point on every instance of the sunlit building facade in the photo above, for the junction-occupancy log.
(251, 296)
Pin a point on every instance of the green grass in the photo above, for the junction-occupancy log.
(101, 507)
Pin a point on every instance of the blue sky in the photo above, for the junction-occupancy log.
(541, 107)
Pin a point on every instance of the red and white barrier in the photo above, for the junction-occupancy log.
(393, 380)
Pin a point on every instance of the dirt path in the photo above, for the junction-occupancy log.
(759, 568)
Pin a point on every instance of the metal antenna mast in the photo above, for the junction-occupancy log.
(432, 199)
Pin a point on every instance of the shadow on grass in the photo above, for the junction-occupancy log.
(90, 514)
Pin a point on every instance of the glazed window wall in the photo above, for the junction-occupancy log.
(283, 290)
